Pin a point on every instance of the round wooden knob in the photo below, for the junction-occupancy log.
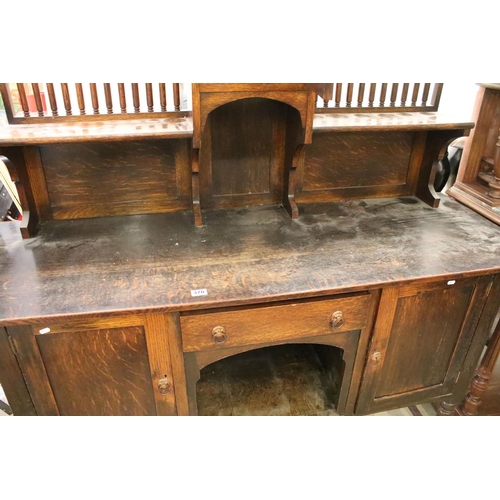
(337, 319)
(376, 356)
(164, 386)
(219, 334)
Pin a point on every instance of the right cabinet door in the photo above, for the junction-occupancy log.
(420, 341)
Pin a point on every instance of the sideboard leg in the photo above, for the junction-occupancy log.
(481, 380)
(445, 409)
(478, 387)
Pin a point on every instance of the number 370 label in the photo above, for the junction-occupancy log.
(198, 293)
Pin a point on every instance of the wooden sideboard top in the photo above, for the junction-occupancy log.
(96, 130)
(239, 256)
(179, 127)
(365, 122)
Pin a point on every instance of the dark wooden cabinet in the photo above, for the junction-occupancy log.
(420, 342)
(478, 177)
(104, 366)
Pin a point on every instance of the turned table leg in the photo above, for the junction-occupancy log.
(445, 409)
(481, 379)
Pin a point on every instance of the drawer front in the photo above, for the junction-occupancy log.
(274, 323)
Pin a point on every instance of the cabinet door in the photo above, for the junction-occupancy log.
(420, 341)
(104, 366)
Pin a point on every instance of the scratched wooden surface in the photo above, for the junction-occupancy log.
(240, 256)
(182, 127)
(351, 122)
(105, 130)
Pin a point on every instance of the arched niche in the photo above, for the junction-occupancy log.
(207, 97)
(246, 153)
(283, 380)
(327, 363)
(292, 111)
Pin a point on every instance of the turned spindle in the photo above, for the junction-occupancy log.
(122, 98)
(163, 97)
(108, 98)
(66, 99)
(52, 99)
(80, 98)
(394, 94)
(135, 98)
(404, 93)
(383, 93)
(38, 99)
(95, 99)
(361, 94)
(177, 97)
(338, 94)
(425, 94)
(414, 95)
(23, 100)
(371, 96)
(348, 99)
(149, 97)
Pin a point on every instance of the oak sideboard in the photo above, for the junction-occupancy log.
(260, 255)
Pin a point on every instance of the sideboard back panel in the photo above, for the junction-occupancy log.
(355, 164)
(117, 178)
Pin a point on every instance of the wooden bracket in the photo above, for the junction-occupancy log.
(436, 144)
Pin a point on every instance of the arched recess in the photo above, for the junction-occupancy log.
(208, 99)
(337, 351)
(247, 146)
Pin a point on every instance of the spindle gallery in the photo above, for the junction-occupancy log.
(271, 249)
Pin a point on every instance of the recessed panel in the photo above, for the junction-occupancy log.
(117, 178)
(356, 160)
(99, 372)
(425, 334)
(242, 147)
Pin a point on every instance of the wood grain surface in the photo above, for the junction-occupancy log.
(265, 324)
(240, 256)
(350, 161)
(98, 179)
(99, 372)
(182, 127)
(96, 130)
(366, 122)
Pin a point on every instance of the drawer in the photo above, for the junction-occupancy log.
(258, 325)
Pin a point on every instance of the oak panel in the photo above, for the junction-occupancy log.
(99, 372)
(116, 178)
(12, 379)
(354, 160)
(266, 324)
(421, 345)
(242, 147)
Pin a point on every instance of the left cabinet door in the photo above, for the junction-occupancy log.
(100, 366)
